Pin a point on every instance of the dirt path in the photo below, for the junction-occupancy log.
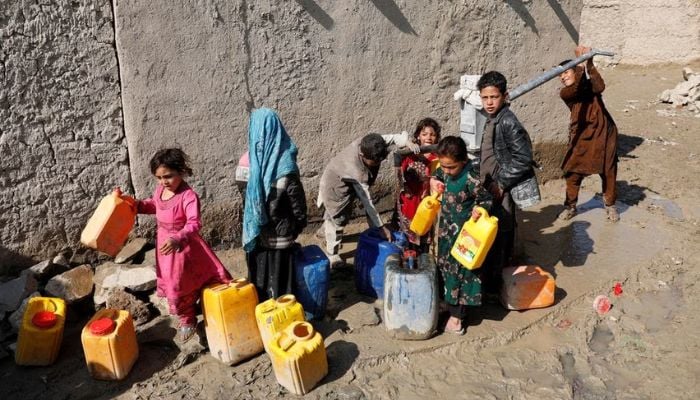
(646, 347)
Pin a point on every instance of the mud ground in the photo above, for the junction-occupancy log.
(646, 347)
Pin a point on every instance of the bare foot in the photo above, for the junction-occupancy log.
(454, 325)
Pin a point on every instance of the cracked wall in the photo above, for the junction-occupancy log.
(62, 142)
(191, 70)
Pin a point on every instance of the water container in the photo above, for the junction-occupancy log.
(298, 357)
(41, 332)
(111, 223)
(312, 272)
(274, 315)
(109, 344)
(475, 240)
(425, 215)
(229, 321)
(526, 287)
(411, 298)
(372, 251)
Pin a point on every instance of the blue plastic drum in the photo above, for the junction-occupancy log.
(372, 252)
(311, 281)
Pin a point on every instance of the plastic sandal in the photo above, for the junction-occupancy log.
(185, 333)
(567, 214)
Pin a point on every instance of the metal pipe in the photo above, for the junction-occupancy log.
(535, 82)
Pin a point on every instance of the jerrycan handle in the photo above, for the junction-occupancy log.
(483, 212)
(285, 341)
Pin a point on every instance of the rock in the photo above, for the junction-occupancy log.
(3, 353)
(160, 303)
(162, 329)
(121, 300)
(137, 278)
(61, 260)
(130, 250)
(149, 257)
(12, 347)
(16, 317)
(13, 292)
(46, 270)
(72, 285)
(358, 315)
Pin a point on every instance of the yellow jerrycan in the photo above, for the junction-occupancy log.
(298, 357)
(475, 240)
(425, 215)
(109, 344)
(41, 332)
(109, 226)
(229, 321)
(274, 315)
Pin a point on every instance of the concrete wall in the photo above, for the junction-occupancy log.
(62, 143)
(191, 70)
(643, 32)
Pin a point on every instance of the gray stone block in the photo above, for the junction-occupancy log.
(13, 292)
(72, 285)
(110, 275)
(130, 250)
(16, 317)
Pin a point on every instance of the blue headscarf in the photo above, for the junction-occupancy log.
(272, 156)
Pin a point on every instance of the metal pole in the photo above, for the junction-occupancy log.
(535, 82)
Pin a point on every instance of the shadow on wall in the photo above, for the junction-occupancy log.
(387, 7)
(317, 13)
(521, 8)
(11, 262)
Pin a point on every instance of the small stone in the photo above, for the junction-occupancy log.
(130, 250)
(121, 300)
(16, 317)
(61, 260)
(13, 292)
(160, 303)
(12, 347)
(46, 270)
(72, 285)
(149, 257)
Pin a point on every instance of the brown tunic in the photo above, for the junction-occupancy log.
(592, 132)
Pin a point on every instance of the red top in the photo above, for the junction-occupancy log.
(102, 326)
(44, 319)
(416, 176)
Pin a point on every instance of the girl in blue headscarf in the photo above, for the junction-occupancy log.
(275, 205)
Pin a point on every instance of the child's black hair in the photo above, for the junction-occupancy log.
(453, 147)
(427, 122)
(173, 158)
(493, 78)
(374, 148)
(563, 63)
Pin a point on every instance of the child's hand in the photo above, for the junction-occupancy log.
(387, 233)
(117, 191)
(414, 147)
(170, 246)
(475, 214)
(581, 50)
(436, 186)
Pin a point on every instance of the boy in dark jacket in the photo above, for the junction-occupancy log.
(505, 161)
(592, 136)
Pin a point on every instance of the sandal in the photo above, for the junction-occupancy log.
(612, 214)
(184, 334)
(567, 214)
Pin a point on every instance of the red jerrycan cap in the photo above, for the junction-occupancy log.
(102, 326)
(44, 319)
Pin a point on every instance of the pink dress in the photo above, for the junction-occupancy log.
(185, 272)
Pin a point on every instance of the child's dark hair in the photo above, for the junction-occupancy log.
(427, 122)
(563, 63)
(453, 147)
(493, 78)
(174, 158)
(374, 148)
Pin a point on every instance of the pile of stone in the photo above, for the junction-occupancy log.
(126, 283)
(686, 93)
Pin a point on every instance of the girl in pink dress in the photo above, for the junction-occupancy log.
(185, 264)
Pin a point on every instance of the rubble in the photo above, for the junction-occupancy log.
(46, 270)
(118, 299)
(686, 93)
(137, 278)
(13, 292)
(61, 260)
(72, 285)
(129, 251)
(16, 317)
